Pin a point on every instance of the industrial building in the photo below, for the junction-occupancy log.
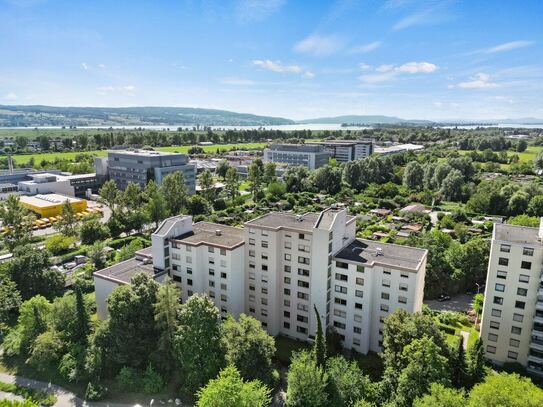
(311, 156)
(347, 150)
(48, 205)
(71, 185)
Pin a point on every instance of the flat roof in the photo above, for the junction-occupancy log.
(124, 271)
(306, 222)
(340, 142)
(213, 234)
(144, 153)
(45, 200)
(516, 234)
(365, 252)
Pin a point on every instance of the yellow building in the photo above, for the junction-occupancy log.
(47, 205)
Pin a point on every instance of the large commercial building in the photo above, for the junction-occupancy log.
(512, 322)
(347, 150)
(280, 266)
(48, 205)
(70, 185)
(307, 155)
(142, 166)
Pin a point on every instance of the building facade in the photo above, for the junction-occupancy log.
(512, 321)
(347, 150)
(279, 267)
(142, 166)
(311, 156)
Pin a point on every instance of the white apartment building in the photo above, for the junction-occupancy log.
(311, 156)
(281, 265)
(512, 321)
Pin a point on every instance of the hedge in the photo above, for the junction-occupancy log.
(41, 397)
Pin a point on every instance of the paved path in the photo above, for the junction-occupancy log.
(465, 339)
(460, 303)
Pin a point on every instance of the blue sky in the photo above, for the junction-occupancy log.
(426, 59)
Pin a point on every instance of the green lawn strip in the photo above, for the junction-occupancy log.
(41, 397)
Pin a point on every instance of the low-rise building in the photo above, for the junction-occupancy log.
(398, 148)
(47, 205)
(70, 185)
(311, 156)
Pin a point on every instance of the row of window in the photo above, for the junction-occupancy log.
(526, 251)
(525, 265)
(522, 278)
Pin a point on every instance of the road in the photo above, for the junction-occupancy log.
(460, 303)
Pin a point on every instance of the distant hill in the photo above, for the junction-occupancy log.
(363, 119)
(32, 116)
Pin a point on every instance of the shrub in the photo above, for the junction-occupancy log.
(94, 391)
(152, 382)
(40, 397)
(129, 379)
(59, 244)
(447, 329)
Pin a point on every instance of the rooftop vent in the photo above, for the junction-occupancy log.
(299, 218)
(218, 232)
(378, 251)
(333, 206)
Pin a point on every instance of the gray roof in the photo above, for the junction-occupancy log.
(124, 271)
(166, 225)
(365, 252)
(213, 234)
(303, 223)
(144, 153)
(516, 234)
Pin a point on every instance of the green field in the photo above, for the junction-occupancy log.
(527, 155)
(23, 158)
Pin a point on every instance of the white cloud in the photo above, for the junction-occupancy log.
(389, 72)
(508, 46)
(128, 90)
(237, 82)
(257, 10)
(416, 67)
(11, 96)
(277, 66)
(365, 48)
(384, 68)
(435, 12)
(319, 45)
(84, 66)
(377, 78)
(478, 81)
(102, 66)
(364, 67)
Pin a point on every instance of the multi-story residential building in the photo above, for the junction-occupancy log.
(347, 150)
(307, 155)
(282, 266)
(512, 321)
(142, 166)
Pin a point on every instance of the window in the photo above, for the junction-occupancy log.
(264, 256)
(301, 329)
(520, 304)
(303, 296)
(251, 231)
(264, 233)
(251, 241)
(223, 298)
(189, 270)
(357, 305)
(287, 269)
(251, 253)
(498, 300)
(302, 318)
(188, 259)
(490, 349)
(251, 275)
(523, 278)
(340, 301)
(303, 272)
(496, 312)
(211, 260)
(303, 260)
(211, 272)
(499, 287)
(188, 249)
(341, 289)
(512, 355)
(288, 245)
(264, 244)
(341, 265)
(505, 248)
(514, 343)
(176, 278)
(522, 292)
(286, 280)
(356, 342)
(385, 296)
(341, 277)
(339, 325)
(339, 313)
(264, 301)
(357, 330)
(301, 236)
(223, 263)
(493, 337)
(288, 257)
(516, 330)
(359, 293)
(286, 325)
(303, 307)
(358, 318)
(212, 294)
(360, 269)
(494, 325)
(286, 303)
(303, 248)
(189, 281)
(526, 265)
(223, 275)
(502, 261)
(210, 249)
(501, 274)
(359, 281)
(403, 287)
(518, 317)
(404, 275)
(264, 312)
(402, 300)
(384, 307)
(303, 284)
(386, 283)
(223, 252)
(264, 267)
(286, 291)
(264, 290)
(528, 251)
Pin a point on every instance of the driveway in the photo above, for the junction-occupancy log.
(459, 303)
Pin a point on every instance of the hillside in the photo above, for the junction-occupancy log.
(32, 116)
(363, 119)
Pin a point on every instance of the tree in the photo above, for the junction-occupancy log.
(476, 363)
(451, 187)
(320, 344)
(207, 185)
(175, 193)
(17, 222)
(30, 270)
(327, 179)
(352, 175)
(129, 250)
(166, 312)
(232, 183)
(441, 396)
(477, 304)
(425, 365)
(535, 207)
(92, 230)
(46, 350)
(269, 173)
(459, 369)
(229, 390)
(32, 321)
(538, 161)
(307, 383)
(254, 176)
(132, 329)
(58, 244)
(296, 178)
(222, 168)
(277, 189)
(470, 262)
(347, 383)
(155, 205)
(198, 345)
(249, 348)
(10, 300)
(518, 203)
(524, 220)
(505, 390)
(413, 175)
(82, 327)
(197, 206)
(67, 225)
(97, 255)
(110, 195)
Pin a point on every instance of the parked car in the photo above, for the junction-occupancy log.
(443, 297)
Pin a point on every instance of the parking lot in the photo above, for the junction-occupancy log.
(460, 303)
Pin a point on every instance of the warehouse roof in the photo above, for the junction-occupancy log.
(46, 200)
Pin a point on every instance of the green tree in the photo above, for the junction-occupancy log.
(296, 178)
(229, 390)
(83, 319)
(470, 262)
(476, 363)
(222, 168)
(208, 186)
(524, 220)
(327, 179)
(277, 189)
(30, 270)
(518, 203)
(535, 207)
(505, 390)
(175, 192)
(458, 365)
(198, 206)
(254, 176)
(249, 348)
(92, 230)
(307, 383)
(320, 344)
(477, 304)
(17, 222)
(269, 173)
(441, 396)
(129, 250)
(538, 161)
(425, 365)
(198, 345)
(10, 300)
(347, 382)
(232, 183)
(110, 195)
(166, 316)
(32, 322)
(67, 225)
(58, 244)
(97, 255)
(413, 175)
(46, 351)
(451, 186)
(132, 328)
(155, 204)
(352, 175)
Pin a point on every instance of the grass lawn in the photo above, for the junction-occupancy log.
(450, 206)
(453, 339)
(285, 346)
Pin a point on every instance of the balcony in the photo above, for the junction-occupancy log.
(535, 360)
